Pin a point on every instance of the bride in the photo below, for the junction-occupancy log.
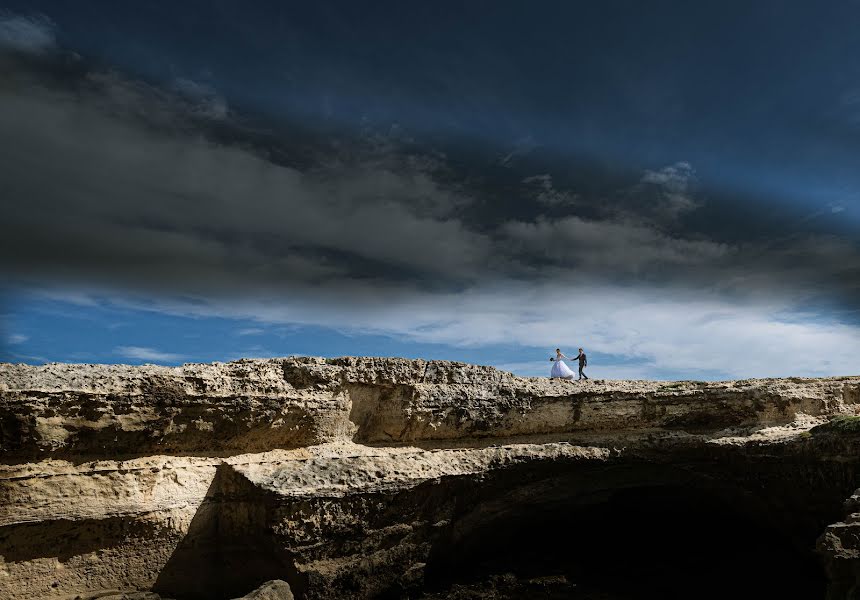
(559, 368)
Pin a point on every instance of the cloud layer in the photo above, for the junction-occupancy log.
(27, 34)
(166, 199)
(147, 354)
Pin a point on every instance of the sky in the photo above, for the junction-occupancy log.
(673, 186)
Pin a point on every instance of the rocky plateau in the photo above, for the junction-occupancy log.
(391, 478)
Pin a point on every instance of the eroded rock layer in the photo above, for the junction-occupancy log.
(365, 478)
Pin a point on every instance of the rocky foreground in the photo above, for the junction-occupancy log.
(391, 478)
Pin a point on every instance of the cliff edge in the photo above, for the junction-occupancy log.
(369, 477)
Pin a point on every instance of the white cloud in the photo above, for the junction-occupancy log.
(250, 331)
(30, 358)
(33, 34)
(696, 336)
(143, 353)
(675, 177)
(657, 333)
(675, 183)
(17, 338)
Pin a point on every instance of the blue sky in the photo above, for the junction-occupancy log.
(51, 329)
(673, 186)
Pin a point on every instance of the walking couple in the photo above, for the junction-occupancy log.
(562, 371)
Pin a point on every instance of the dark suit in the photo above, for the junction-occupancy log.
(583, 362)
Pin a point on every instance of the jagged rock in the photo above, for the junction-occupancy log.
(271, 590)
(840, 549)
(121, 596)
(90, 411)
(359, 478)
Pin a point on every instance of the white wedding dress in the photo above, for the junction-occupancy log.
(560, 369)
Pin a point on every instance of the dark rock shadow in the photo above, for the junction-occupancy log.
(69, 538)
(660, 539)
(228, 550)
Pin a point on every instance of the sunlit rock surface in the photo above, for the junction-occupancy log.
(392, 478)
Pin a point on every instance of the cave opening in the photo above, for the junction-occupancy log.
(660, 541)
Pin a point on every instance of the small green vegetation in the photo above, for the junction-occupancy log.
(840, 424)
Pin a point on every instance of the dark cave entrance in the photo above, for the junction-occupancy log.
(662, 541)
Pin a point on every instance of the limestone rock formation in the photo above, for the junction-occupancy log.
(840, 547)
(392, 478)
(840, 544)
(272, 590)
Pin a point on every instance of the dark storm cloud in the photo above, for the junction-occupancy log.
(119, 179)
(663, 195)
(28, 34)
(115, 181)
(545, 192)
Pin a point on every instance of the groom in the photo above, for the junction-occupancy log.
(583, 362)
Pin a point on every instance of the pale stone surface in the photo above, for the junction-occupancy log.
(256, 405)
(342, 476)
(272, 590)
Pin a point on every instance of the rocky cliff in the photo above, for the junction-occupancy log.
(390, 478)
